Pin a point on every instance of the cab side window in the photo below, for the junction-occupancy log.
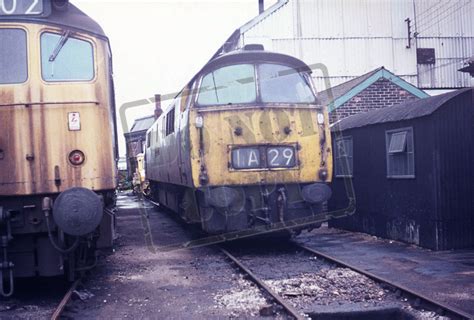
(64, 58)
(13, 56)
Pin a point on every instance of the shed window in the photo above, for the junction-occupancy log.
(398, 142)
(400, 153)
(170, 122)
(343, 156)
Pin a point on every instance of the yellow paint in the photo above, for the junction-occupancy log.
(34, 121)
(259, 126)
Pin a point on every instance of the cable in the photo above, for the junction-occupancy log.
(53, 243)
(425, 27)
(432, 7)
(437, 12)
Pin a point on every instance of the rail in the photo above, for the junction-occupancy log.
(261, 284)
(453, 311)
(64, 301)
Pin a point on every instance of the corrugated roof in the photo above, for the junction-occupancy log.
(340, 90)
(265, 14)
(404, 111)
(142, 124)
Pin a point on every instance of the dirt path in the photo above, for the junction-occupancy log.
(136, 283)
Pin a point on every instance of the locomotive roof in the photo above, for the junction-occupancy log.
(72, 17)
(246, 56)
(242, 56)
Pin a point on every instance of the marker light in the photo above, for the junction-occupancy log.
(76, 157)
(199, 122)
(320, 118)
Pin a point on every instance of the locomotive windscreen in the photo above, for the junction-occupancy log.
(236, 84)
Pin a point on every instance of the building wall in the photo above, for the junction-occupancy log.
(353, 37)
(453, 159)
(392, 208)
(433, 210)
(448, 28)
(134, 145)
(382, 93)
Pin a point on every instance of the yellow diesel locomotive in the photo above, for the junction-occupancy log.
(245, 144)
(57, 143)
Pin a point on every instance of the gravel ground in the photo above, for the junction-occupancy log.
(133, 282)
(33, 298)
(138, 280)
(136, 283)
(313, 285)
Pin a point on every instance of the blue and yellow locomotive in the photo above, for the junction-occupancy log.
(246, 143)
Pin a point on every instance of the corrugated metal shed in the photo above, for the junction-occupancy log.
(354, 37)
(448, 28)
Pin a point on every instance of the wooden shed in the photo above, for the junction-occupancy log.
(412, 167)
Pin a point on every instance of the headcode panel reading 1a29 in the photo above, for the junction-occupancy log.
(20, 7)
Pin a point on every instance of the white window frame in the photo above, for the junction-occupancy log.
(409, 140)
(338, 156)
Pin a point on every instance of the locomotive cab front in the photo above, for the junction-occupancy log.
(260, 142)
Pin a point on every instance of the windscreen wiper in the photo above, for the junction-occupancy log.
(60, 45)
(215, 86)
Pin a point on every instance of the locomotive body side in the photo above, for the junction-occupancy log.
(37, 134)
(234, 166)
(58, 145)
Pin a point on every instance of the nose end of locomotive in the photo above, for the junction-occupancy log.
(78, 211)
(222, 197)
(316, 193)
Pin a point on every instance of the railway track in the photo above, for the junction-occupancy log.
(438, 306)
(64, 301)
(417, 299)
(261, 284)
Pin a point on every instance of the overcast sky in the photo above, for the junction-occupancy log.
(158, 45)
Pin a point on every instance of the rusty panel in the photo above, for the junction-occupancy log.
(34, 122)
(259, 126)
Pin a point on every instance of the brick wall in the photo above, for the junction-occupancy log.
(380, 94)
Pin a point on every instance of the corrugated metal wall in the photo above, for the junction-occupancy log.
(353, 37)
(448, 27)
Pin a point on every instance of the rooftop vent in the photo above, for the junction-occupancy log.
(253, 47)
